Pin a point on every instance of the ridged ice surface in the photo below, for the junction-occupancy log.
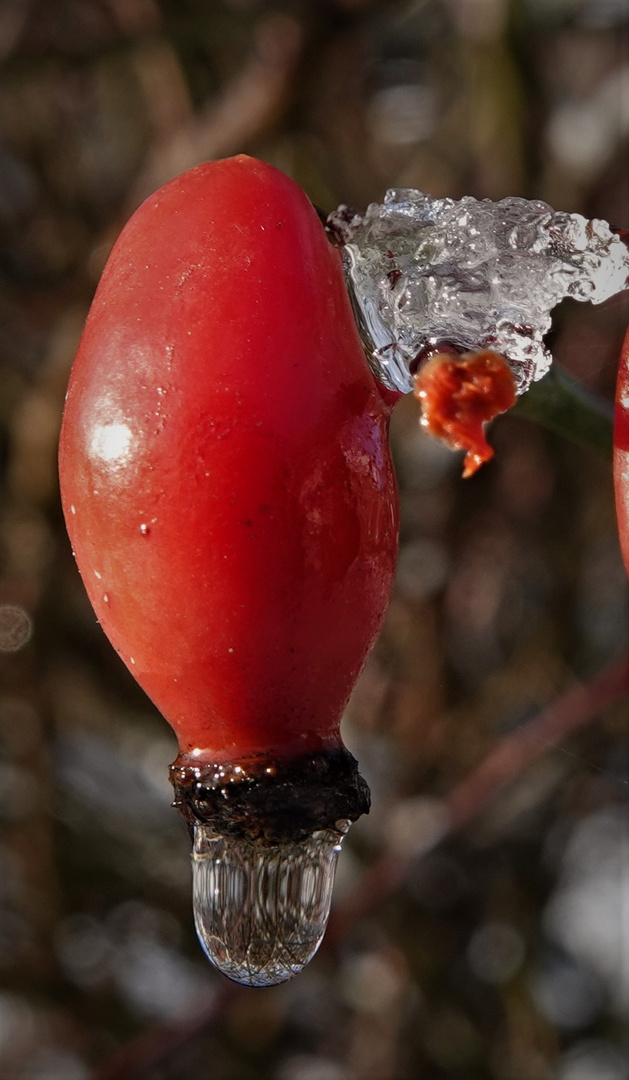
(476, 274)
(261, 910)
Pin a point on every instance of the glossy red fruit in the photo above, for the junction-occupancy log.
(224, 466)
(621, 450)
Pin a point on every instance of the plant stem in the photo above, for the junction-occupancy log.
(562, 405)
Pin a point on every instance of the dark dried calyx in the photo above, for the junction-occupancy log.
(271, 800)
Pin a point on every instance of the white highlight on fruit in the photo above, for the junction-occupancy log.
(111, 442)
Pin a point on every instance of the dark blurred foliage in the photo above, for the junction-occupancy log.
(501, 955)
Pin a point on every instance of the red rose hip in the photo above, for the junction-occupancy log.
(229, 495)
(621, 450)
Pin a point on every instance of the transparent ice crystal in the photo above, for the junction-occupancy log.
(261, 909)
(425, 272)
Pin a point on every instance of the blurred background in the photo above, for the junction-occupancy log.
(491, 952)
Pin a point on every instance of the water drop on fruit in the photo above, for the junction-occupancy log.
(261, 909)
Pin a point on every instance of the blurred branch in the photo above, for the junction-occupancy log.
(504, 764)
(560, 404)
(154, 1045)
(248, 106)
(13, 17)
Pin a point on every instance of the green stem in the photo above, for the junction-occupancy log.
(565, 407)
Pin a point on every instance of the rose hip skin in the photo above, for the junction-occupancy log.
(224, 464)
(621, 450)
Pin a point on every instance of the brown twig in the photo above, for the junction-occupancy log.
(247, 107)
(573, 710)
(155, 1044)
(502, 765)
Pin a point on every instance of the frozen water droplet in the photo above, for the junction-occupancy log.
(476, 274)
(105, 598)
(261, 909)
(145, 529)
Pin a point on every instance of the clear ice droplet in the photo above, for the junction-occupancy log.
(475, 274)
(261, 909)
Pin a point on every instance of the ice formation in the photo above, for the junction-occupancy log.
(472, 274)
(261, 910)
